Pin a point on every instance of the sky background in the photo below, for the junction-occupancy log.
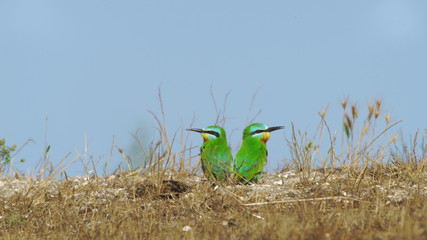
(95, 67)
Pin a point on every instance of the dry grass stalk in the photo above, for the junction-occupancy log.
(366, 191)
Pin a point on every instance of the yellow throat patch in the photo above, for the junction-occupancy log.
(265, 137)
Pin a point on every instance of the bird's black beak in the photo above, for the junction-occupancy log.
(195, 130)
(271, 129)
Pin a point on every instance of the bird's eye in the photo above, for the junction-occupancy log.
(213, 133)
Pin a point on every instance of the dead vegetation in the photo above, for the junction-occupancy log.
(370, 188)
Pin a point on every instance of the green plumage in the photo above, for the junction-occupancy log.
(252, 155)
(217, 160)
(250, 160)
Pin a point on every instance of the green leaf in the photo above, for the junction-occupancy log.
(47, 149)
(347, 130)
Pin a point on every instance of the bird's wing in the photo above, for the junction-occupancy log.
(250, 160)
(217, 160)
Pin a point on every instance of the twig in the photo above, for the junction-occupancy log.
(301, 200)
(111, 156)
(250, 108)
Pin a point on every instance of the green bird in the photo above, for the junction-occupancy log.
(217, 160)
(252, 155)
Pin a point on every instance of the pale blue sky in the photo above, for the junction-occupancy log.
(95, 67)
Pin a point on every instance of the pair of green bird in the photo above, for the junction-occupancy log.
(217, 160)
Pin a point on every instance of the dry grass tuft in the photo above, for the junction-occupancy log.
(361, 189)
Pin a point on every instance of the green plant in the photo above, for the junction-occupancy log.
(6, 153)
(15, 219)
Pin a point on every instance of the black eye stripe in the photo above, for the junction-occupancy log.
(257, 131)
(212, 133)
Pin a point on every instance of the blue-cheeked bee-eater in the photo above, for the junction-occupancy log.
(252, 155)
(217, 160)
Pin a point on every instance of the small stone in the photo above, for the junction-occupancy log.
(186, 228)
(278, 182)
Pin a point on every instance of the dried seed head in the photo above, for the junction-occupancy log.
(387, 119)
(354, 111)
(377, 114)
(393, 138)
(378, 105)
(323, 113)
(371, 111)
(344, 103)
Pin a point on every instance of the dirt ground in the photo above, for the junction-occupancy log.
(384, 204)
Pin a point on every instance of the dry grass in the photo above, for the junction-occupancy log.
(365, 190)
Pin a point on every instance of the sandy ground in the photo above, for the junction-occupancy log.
(272, 187)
